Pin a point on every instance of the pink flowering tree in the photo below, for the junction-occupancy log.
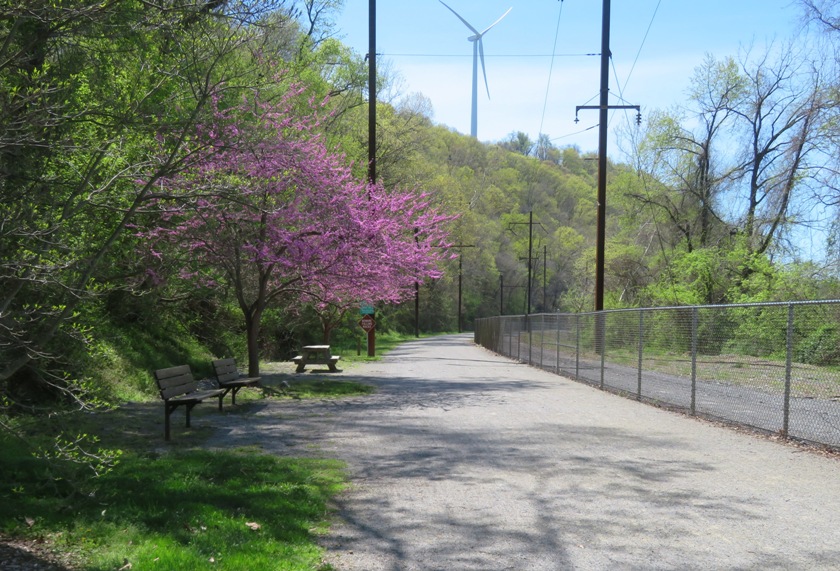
(276, 217)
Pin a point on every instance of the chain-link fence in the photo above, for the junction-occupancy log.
(774, 366)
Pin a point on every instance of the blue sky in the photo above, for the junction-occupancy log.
(427, 46)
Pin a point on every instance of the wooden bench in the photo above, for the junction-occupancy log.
(229, 379)
(316, 355)
(179, 388)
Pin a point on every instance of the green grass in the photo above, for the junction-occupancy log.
(186, 509)
(765, 373)
(172, 506)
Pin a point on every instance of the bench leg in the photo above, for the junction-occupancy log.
(300, 367)
(189, 409)
(167, 411)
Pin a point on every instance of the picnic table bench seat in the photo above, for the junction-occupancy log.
(177, 388)
(229, 378)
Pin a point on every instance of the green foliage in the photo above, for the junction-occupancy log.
(758, 331)
(692, 279)
(95, 103)
(104, 99)
(820, 345)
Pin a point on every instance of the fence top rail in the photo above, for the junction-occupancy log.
(678, 307)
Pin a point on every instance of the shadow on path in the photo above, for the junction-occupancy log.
(466, 461)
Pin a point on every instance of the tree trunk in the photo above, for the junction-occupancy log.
(252, 326)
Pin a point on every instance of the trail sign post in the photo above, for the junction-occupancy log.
(369, 325)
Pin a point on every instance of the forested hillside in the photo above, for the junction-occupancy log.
(185, 179)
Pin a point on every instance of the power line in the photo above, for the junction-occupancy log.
(491, 55)
(595, 126)
(550, 69)
(644, 40)
(618, 83)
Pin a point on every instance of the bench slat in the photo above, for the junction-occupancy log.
(225, 370)
(196, 396)
(170, 392)
(173, 372)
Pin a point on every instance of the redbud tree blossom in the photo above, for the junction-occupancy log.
(278, 218)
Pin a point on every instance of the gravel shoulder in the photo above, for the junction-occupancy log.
(465, 460)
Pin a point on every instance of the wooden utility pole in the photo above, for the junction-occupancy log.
(371, 333)
(530, 224)
(372, 91)
(603, 122)
(460, 281)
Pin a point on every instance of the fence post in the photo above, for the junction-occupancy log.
(530, 327)
(557, 338)
(510, 337)
(641, 352)
(788, 367)
(694, 320)
(601, 340)
(577, 346)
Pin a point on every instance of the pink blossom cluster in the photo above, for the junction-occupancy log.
(270, 211)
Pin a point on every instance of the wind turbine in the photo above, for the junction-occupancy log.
(478, 50)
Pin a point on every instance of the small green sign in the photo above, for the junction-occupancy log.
(366, 309)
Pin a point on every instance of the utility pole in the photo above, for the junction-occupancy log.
(545, 265)
(530, 224)
(372, 126)
(501, 294)
(502, 288)
(603, 120)
(530, 256)
(372, 91)
(416, 293)
(530, 265)
(460, 289)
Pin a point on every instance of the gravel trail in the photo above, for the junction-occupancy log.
(464, 460)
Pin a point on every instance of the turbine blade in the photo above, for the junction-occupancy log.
(496, 22)
(467, 24)
(483, 70)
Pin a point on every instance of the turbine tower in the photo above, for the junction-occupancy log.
(478, 50)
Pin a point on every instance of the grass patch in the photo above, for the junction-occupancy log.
(171, 506)
(763, 373)
(183, 510)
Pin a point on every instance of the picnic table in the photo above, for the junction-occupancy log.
(316, 355)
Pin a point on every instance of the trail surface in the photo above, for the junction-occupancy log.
(464, 461)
